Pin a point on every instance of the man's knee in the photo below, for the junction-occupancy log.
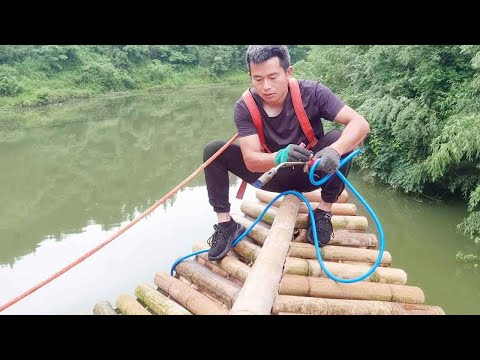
(211, 148)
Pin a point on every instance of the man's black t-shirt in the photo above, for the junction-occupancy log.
(319, 103)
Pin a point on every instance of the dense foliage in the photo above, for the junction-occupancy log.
(41, 74)
(423, 104)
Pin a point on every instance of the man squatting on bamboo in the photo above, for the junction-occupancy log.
(271, 75)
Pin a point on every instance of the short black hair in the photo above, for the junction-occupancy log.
(261, 53)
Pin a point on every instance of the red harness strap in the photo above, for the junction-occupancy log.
(257, 121)
(301, 114)
(256, 117)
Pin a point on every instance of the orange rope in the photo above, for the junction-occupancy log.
(122, 230)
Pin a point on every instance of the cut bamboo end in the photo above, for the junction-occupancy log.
(338, 208)
(158, 302)
(104, 308)
(309, 267)
(254, 209)
(191, 299)
(128, 305)
(321, 306)
(326, 288)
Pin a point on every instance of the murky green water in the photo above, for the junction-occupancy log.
(66, 188)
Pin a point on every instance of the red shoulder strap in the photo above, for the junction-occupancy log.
(301, 114)
(256, 117)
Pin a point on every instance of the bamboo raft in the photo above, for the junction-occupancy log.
(275, 271)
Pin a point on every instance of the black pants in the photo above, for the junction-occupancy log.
(290, 178)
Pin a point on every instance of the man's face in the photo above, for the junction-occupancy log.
(270, 80)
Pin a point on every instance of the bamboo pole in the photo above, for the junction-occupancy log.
(191, 299)
(357, 238)
(258, 233)
(319, 306)
(229, 264)
(158, 302)
(213, 267)
(339, 254)
(259, 291)
(248, 250)
(308, 267)
(209, 282)
(367, 257)
(337, 208)
(128, 305)
(326, 288)
(104, 308)
(254, 209)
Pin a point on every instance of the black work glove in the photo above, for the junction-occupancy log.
(293, 152)
(330, 160)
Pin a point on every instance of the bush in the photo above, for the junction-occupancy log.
(106, 76)
(158, 71)
(9, 85)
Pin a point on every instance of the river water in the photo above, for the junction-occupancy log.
(72, 175)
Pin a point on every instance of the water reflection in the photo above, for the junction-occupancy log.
(114, 158)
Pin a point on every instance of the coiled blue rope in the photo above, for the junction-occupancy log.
(310, 213)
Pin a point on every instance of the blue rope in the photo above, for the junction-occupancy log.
(314, 229)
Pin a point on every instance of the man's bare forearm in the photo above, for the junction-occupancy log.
(260, 162)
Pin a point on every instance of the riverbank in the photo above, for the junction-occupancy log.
(59, 89)
(92, 109)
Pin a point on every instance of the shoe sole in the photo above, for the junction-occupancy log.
(227, 248)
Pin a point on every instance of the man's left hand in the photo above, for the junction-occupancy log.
(330, 160)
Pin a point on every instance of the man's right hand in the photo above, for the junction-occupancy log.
(292, 153)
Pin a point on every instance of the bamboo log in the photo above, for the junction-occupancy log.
(258, 233)
(259, 291)
(288, 313)
(213, 267)
(358, 238)
(209, 282)
(308, 267)
(104, 308)
(337, 208)
(229, 264)
(247, 250)
(326, 288)
(366, 257)
(339, 254)
(191, 299)
(316, 195)
(319, 306)
(158, 302)
(128, 305)
(254, 209)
